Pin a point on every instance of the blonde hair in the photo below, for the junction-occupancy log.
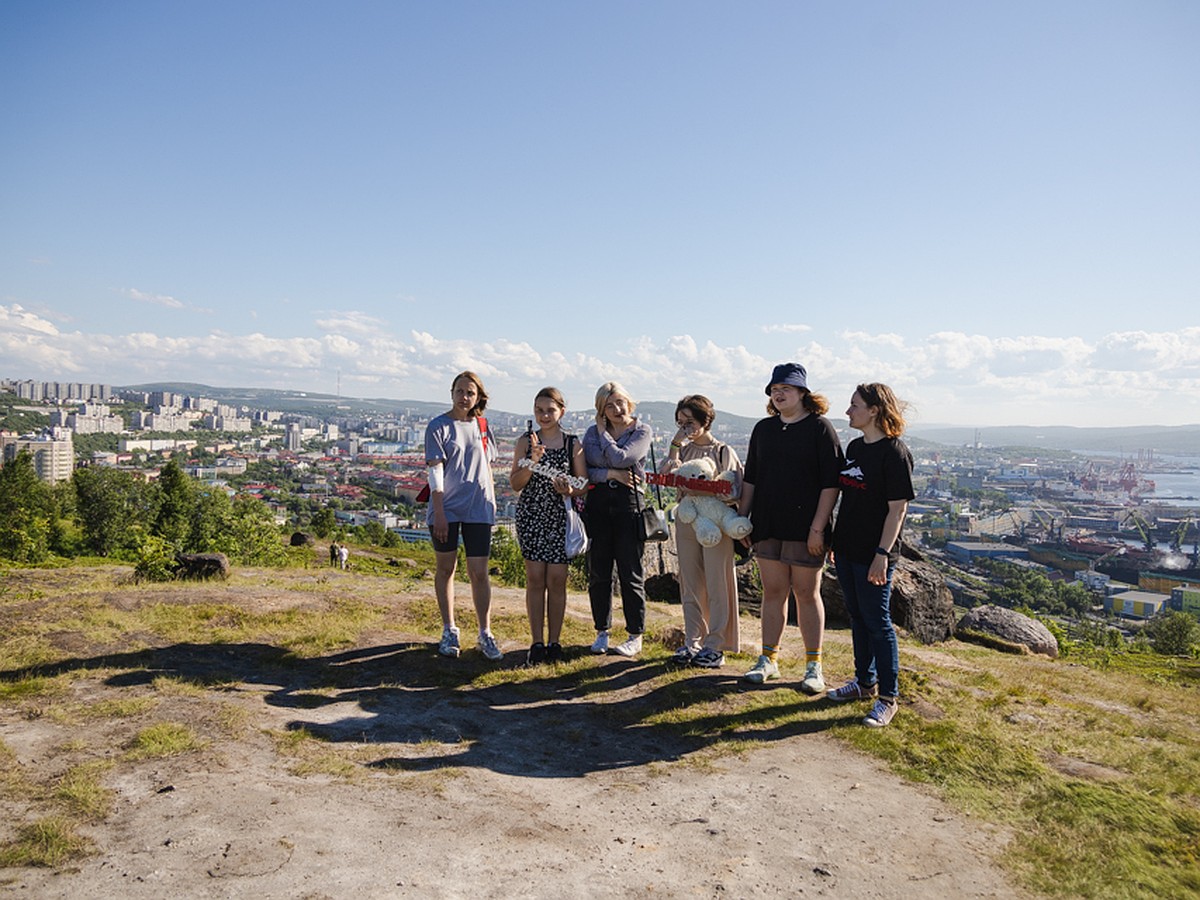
(606, 391)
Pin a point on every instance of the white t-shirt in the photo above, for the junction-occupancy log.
(470, 495)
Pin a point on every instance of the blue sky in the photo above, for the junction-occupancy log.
(994, 207)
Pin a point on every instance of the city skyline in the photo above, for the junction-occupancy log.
(994, 208)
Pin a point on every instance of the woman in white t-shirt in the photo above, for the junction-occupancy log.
(462, 502)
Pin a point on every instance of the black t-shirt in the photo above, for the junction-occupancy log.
(873, 475)
(789, 466)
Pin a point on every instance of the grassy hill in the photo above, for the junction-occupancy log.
(1090, 761)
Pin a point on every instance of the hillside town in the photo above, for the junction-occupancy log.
(1103, 524)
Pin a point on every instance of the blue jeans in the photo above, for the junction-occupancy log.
(876, 653)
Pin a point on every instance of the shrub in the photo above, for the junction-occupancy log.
(154, 559)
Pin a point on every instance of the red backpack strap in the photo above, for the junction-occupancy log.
(483, 430)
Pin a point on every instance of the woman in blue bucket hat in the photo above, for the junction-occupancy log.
(789, 490)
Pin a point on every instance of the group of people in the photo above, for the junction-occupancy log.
(789, 486)
(339, 555)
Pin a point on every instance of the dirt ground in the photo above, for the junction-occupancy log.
(541, 789)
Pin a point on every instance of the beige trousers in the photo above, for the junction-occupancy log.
(708, 592)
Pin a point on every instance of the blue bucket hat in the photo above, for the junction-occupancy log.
(788, 373)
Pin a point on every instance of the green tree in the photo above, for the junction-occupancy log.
(109, 503)
(177, 505)
(1173, 633)
(323, 522)
(212, 525)
(373, 533)
(26, 511)
(256, 538)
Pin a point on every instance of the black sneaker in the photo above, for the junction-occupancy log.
(537, 654)
(708, 658)
(554, 653)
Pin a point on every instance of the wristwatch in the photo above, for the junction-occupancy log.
(879, 551)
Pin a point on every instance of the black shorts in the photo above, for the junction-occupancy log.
(794, 553)
(476, 538)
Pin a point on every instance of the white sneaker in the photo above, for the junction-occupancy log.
(448, 646)
(813, 682)
(764, 670)
(632, 646)
(600, 644)
(487, 644)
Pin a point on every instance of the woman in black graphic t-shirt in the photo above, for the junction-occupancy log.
(876, 485)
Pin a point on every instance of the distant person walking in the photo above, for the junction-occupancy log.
(462, 502)
(343, 557)
(542, 519)
(788, 490)
(615, 450)
(707, 583)
(876, 484)
(333, 553)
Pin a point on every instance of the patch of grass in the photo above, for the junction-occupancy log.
(232, 718)
(81, 790)
(170, 686)
(48, 842)
(120, 708)
(29, 687)
(1132, 830)
(12, 779)
(312, 756)
(164, 739)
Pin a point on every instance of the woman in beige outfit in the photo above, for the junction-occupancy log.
(707, 583)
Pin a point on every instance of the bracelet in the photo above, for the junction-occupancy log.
(677, 445)
(879, 551)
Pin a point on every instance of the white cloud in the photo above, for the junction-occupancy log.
(352, 322)
(156, 299)
(164, 300)
(15, 319)
(1126, 377)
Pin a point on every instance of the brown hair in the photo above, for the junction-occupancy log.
(481, 403)
(891, 410)
(814, 403)
(699, 406)
(553, 394)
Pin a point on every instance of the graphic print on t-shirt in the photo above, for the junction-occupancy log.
(852, 476)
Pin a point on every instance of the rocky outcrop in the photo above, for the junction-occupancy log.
(301, 539)
(1006, 629)
(921, 602)
(201, 565)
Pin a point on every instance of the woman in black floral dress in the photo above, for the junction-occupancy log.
(542, 519)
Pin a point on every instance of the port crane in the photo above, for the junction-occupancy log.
(1143, 528)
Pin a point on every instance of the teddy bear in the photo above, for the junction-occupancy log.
(708, 514)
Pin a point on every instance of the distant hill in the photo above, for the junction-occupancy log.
(1168, 439)
(305, 403)
(1164, 439)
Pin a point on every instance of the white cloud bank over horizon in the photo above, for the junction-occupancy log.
(1122, 378)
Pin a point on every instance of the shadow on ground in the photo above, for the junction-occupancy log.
(588, 714)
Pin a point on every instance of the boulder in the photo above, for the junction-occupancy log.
(301, 539)
(995, 626)
(201, 565)
(921, 603)
(663, 587)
